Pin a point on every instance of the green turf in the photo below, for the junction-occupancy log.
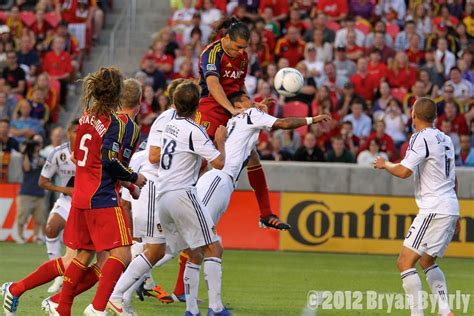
(257, 282)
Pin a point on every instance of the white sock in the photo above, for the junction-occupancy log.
(213, 277)
(135, 270)
(437, 282)
(53, 247)
(191, 286)
(128, 294)
(162, 261)
(412, 285)
(149, 281)
(136, 249)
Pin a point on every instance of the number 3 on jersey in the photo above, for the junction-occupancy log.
(167, 157)
(83, 147)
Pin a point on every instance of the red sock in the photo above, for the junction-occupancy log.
(179, 287)
(89, 280)
(258, 182)
(45, 273)
(73, 275)
(111, 272)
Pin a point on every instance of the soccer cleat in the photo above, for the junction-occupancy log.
(272, 221)
(224, 312)
(90, 311)
(141, 292)
(116, 307)
(56, 286)
(188, 313)
(160, 294)
(10, 302)
(179, 298)
(49, 307)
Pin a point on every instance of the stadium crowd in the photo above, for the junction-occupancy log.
(365, 62)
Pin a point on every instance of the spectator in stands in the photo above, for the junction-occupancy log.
(446, 127)
(463, 89)
(431, 89)
(289, 140)
(58, 65)
(264, 91)
(309, 151)
(323, 49)
(14, 22)
(185, 70)
(418, 91)
(323, 102)
(421, 19)
(457, 120)
(315, 67)
(341, 35)
(155, 77)
(447, 97)
(392, 11)
(362, 8)
(348, 97)
(7, 143)
(39, 109)
(395, 121)
(345, 68)
(14, 75)
(378, 27)
(258, 50)
(182, 19)
(364, 83)
(376, 68)
(400, 73)
(28, 56)
(30, 200)
(57, 137)
(445, 60)
(280, 9)
(361, 123)
(308, 91)
(466, 157)
(402, 41)
(50, 95)
(148, 110)
(464, 40)
(270, 23)
(351, 142)
(386, 142)
(382, 102)
(291, 46)
(274, 151)
(335, 10)
(466, 65)
(469, 22)
(319, 23)
(433, 67)
(415, 55)
(338, 152)
(386, 52)
(25, 126)
(187, 53)
(366, 157)
(333, 81)
(353, 51)
(164, 62)
(6, 109)
(441, 31)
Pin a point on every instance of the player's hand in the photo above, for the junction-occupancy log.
(134, 191)
(321, 118)
(220, 135)
(73, 159)
(379, 163)
(141, 181)
(261, 106)
(236, 111)
(68, 191)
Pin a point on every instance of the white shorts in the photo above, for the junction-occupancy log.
(185, 221)
(146, 224)
(431, 234)
(62, 206)
(214, 189)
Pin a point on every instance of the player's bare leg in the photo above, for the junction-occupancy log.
(54, 226)
(258, 183)
(437, 282)
(411, 281)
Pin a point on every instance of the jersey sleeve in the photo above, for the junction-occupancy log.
(156, 132)
(211, 61)
(417, 151)
(50, 167)
(260, 119)
(201, 144)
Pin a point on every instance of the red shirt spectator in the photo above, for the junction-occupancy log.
(385, 141)
(218, 4)
(164, 61)
(401, 75)
(57, 64)
(364, 83)
(335, 9)
(280, 8)
(376, 69)
(458, 122)
(291, 47)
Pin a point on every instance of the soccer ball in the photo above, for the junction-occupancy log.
(288, 82)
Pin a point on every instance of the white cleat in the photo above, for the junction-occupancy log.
(49, 307)
(57, 285)
(90, 311)
(128, 308)
(10, 302)
(117, 307)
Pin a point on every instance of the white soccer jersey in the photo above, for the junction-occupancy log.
(158, 126)
(243, 131)
(430, 156)
(184, 143)
(59, 162)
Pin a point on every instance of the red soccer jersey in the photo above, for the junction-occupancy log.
(404, 78)
(364, 86)
(378, 71)
(94, 186)
(294, 52)
(230, 71)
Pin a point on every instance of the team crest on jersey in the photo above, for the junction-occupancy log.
(243, 65)
(62, 157)
(116, 147)
(159, 227)
(229, 65)
(127, 153)
(211, 67)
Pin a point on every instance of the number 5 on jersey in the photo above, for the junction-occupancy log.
(83, 147)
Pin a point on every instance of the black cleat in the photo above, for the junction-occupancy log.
(272, 221)
(141, 292)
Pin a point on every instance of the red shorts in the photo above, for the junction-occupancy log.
(211, 115)
(97, 229)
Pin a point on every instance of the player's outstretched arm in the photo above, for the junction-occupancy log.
(396, 169)
(47, 184)
(295, 122)
(216, 90)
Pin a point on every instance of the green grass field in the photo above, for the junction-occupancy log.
(257, 282)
